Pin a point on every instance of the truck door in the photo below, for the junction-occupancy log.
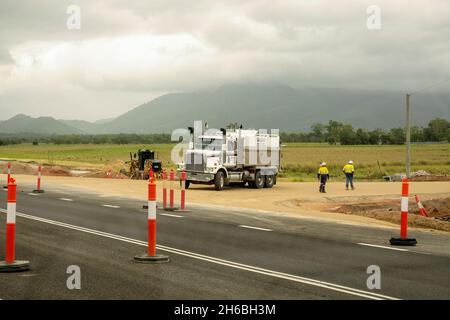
(230, 157)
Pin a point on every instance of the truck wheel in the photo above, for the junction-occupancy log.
(269, 181)
(259, 180)
(219, 181)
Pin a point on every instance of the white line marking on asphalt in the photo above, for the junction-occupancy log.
(65, 199)
(256, 228)
(110, 206)
(231, 264)
(382, 247)
(170, 215)
(33, 194)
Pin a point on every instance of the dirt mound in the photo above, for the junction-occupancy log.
(438, 210)
(32, 169)
(385, 210)
(17, 168)
(431, 178)
(111, 171)
(108, 174)
(56, 171)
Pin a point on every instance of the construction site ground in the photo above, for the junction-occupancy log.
(371, 203)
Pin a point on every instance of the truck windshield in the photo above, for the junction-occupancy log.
(211, 144)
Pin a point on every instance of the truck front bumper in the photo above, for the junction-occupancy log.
(199, 176)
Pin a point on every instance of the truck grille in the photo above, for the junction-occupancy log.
(195, 162)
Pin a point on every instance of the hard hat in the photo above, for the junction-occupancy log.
(351, 162)
(323, 164)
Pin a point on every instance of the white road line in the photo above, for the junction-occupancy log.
(65, 199)
(110, 206)
(382, 247)
(256, 228)
(33, 194)
(170, 215)
(231, 264)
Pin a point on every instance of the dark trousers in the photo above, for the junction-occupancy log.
(323, 181)
(349, 180)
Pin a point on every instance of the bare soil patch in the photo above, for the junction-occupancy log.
(438, 211)
(431, 178)
(31, 168)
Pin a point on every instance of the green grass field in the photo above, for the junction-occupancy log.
(300, 160)
(81, 154)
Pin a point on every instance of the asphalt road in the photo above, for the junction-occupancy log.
(215, 254)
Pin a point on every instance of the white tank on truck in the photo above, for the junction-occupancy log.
(233, 157)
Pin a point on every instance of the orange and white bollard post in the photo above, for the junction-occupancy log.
(164, 190)
(404, 240)
(422, 210)
(11, 264)
(183, 178)
(8, 176)
(151, 256)
(151, 177)
(171, 192)
(38, 189)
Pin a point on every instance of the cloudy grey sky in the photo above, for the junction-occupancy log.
(128, 52)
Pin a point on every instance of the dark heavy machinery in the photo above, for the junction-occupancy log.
(140, 167)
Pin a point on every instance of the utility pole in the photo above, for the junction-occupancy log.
(408, 137)
(408, 124)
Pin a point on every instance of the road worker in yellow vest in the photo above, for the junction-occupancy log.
(323, 176)
(349, 171)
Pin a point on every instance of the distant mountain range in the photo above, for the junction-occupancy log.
(42, 125)
(256, 106)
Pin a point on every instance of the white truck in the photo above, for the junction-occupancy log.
(232, 157)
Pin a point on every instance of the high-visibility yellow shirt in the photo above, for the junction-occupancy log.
(323, 170)
(348, 168)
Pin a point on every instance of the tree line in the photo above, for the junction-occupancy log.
(334, 132)
(157, 138)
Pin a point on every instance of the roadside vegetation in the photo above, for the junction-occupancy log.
(334, 132)
(11, 139)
